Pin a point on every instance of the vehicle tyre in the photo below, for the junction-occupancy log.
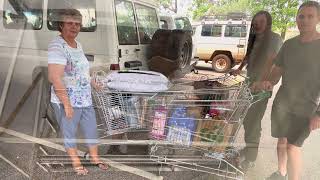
(161, 43)
(221, 63)
(182, 48)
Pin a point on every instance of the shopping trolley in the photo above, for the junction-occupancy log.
(192, 129)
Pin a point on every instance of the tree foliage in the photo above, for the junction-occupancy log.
(283, 11)
(200, 8)
(167, 5)
(223, 7)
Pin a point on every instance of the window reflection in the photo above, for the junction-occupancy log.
(23, 14)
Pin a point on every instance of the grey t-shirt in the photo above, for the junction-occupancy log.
(300, 88)
(260, 54)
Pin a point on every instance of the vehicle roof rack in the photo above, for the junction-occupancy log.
(235, 16)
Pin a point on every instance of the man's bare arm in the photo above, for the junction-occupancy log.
(268, 67)
(275, 75)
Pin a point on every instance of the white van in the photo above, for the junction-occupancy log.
(115, 33)
(224, 43)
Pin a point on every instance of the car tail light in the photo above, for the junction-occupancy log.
(114, 67)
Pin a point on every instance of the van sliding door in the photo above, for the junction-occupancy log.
(127, 32)
(147, 25)
(136, 24)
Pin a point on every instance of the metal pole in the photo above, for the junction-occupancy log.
(10, 74)
(176, 6)
(37, 115)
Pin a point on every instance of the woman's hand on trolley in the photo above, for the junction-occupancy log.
(98, 86)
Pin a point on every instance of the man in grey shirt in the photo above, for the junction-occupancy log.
(295, 111)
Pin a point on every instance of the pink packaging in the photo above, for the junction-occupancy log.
(159, 123)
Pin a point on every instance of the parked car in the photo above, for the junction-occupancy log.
(222, 42)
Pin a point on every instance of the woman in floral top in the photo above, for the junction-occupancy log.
(71, 89)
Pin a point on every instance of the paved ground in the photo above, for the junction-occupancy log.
(267, 159)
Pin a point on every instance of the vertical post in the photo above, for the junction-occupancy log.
(10, 73)
(176, 6)
(37, 115)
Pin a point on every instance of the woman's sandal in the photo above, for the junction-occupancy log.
(80, 170)
(102, 166)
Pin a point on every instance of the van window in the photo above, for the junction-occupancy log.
(183, 23)
(86, 8)
(127, 29)
(147, 22)
(235, 31)
(211, 30)
(23, 14)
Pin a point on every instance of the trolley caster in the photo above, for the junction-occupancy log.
(173, 169)
(233, 156)
(195, 71)
(86, 156)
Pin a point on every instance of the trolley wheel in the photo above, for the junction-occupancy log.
(173, 169)
(86, 156)
(233, 156)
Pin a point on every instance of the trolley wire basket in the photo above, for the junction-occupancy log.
(202, 121)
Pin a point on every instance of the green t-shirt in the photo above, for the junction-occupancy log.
(262, 49)
(300, 88)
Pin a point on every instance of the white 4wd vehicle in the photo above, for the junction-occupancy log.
(224, 43)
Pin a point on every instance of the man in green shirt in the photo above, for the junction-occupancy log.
(295, 110)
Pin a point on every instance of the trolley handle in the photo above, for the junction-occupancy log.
(260, 95)
(231, 72)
